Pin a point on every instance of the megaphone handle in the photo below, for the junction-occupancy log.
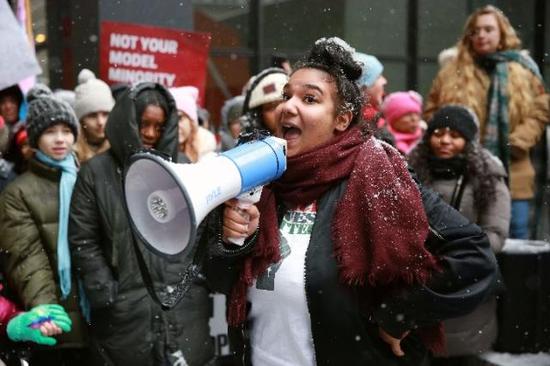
(245, 200)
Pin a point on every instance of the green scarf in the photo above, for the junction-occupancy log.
(497, 126)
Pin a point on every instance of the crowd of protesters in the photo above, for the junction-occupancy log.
(376, 246)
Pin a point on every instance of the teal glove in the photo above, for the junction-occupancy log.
(25, 326)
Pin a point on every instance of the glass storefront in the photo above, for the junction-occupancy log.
(406, 35)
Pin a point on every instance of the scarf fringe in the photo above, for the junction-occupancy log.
(379, 228)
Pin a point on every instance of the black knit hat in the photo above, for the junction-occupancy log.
(455, 117)
(45, 110)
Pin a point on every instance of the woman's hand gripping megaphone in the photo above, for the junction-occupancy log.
(241, 217)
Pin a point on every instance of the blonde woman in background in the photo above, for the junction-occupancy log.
(503, 86)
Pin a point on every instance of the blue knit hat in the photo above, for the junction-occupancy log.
(372, 69)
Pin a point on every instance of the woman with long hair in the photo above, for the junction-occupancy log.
(502, 85)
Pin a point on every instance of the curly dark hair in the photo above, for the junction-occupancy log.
(335, 57)
(478, 170)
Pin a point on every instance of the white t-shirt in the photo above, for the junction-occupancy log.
(281, 327)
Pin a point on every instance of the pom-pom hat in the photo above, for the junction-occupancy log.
(91, 95)
(44, 111)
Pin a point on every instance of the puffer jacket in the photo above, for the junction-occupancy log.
(345, 319)
(495, 220)
(127, 326)
(29, 217)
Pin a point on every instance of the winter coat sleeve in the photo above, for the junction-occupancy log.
(85, 240)
(4, 138)
(527, 133)
(7, 311)
(495, 221)
(469, 273)
(27, 266)
(224, 261)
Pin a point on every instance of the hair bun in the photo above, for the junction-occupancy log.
(336, 53)
(336, 41)
(39, 91)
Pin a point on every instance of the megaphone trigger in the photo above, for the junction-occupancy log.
(245, 200)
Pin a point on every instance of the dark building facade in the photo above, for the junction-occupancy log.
(406, 35)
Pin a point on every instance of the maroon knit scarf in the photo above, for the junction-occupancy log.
(380, 226)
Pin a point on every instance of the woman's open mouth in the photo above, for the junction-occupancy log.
(291, 132)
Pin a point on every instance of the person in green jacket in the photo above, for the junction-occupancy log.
(34, 212)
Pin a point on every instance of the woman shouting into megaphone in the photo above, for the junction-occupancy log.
(351, 261)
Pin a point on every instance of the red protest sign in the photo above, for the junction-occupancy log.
(132, 53)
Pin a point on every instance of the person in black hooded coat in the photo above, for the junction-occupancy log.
(127, 326)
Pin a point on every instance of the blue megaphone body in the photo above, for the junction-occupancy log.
(167, 201)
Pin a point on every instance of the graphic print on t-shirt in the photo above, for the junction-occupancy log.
(297, 224)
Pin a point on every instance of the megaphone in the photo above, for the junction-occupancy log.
(167, 201)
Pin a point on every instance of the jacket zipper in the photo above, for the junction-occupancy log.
(305, 288)
(436, 233)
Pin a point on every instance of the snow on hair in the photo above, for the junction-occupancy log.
(337, 40)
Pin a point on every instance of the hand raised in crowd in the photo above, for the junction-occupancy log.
(238, 221)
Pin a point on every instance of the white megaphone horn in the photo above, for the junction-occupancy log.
(167, 201)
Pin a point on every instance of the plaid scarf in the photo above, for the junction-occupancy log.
(496, 130)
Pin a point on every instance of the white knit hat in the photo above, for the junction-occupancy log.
(92, 95)
(268, 89)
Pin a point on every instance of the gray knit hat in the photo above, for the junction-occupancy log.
(45, 110)
(91, 95)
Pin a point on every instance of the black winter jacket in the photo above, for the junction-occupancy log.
(345, 319)
(127, 326)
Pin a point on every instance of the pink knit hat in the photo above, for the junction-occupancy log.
(186, 100)
(398, 104)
